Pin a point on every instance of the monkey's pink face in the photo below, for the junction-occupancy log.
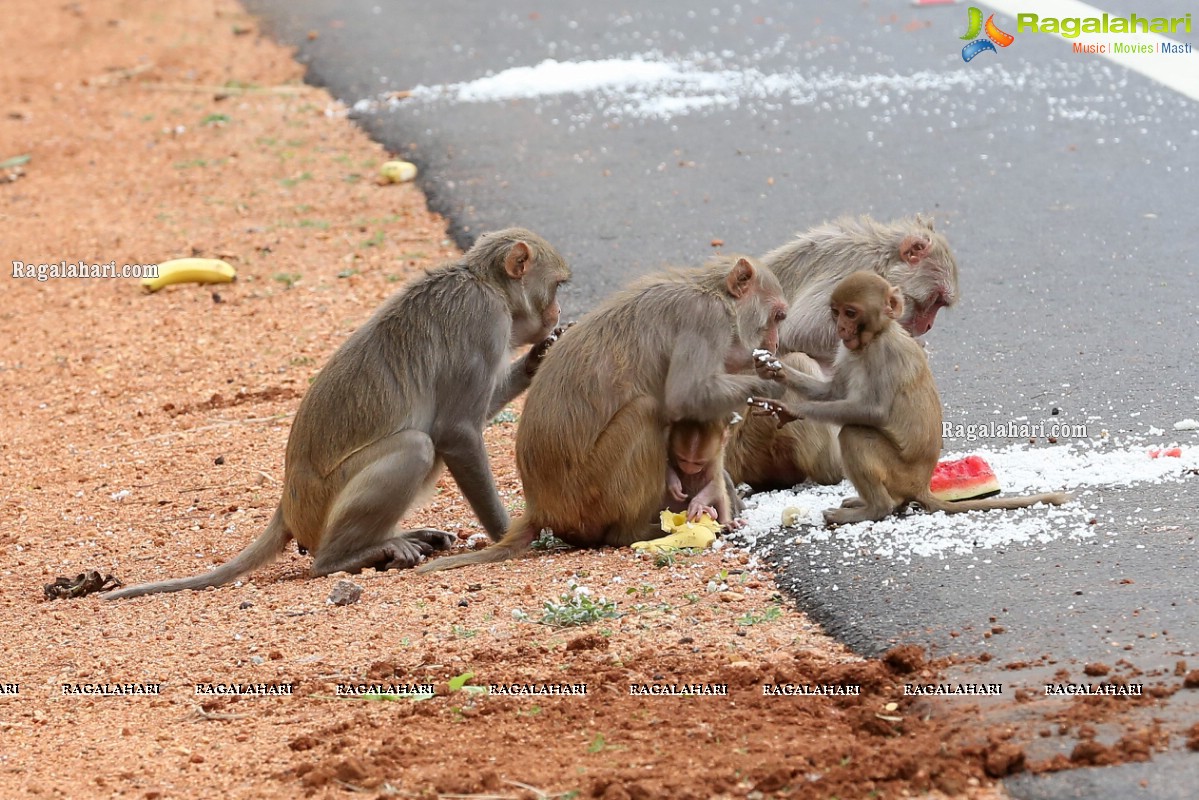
(922, 316)
(850, 322)
(531, 329)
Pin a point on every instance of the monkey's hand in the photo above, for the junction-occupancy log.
(537, 353)
(674, 485)
(698, 508)
(767, 365)
(763, 407)
(736, 524)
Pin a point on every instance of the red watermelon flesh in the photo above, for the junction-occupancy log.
(964, 479)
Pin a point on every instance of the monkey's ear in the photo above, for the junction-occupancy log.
(740, 279)
(894, 303)
(516, 263)
(913, 249)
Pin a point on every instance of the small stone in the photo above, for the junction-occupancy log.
(345, 593)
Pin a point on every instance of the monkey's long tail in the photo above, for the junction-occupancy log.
(517, 540)
(260, 552)
(931, 503)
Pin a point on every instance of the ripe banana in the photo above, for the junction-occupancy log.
(190, 270)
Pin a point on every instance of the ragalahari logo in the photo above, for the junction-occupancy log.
(994, 35)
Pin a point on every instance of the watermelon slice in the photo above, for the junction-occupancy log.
(964, 479)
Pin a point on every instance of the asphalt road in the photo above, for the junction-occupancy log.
(1067, 186)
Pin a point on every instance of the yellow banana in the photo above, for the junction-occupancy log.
(683, 534)
(190, 270)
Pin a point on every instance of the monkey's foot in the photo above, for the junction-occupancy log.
(853, 502)
(435, 538)
(408, 548)
(402, 551)
(683, 534)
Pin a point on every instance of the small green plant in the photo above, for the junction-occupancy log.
(461, 683)
(597, 744)
(215, 119)
(375, 241)
(665, 558)
(288, 279)
(752, 618)
(291, 182)
(576, 608)
(546, 540)
(507, 415)
(463, 632)
(645, 590)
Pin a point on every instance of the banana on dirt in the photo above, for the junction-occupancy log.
(190, 270)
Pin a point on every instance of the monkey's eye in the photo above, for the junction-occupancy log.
(835, 312)
(852, 313)
(779, 316)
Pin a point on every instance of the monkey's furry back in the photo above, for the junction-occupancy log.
(449, 314)
(615, 354)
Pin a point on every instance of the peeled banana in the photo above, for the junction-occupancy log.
(697, 535)
(190, 270)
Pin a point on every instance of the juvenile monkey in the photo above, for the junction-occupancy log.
(696, 481)
(883, 395)
(908, 253)
(911, 256)
(591, 443)
(407, 393)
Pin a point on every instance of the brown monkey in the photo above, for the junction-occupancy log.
(910, 255)
(696, 481)
(767, 456)
(407, 393)
(591, 443)
(883, 395)
(907, 252)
